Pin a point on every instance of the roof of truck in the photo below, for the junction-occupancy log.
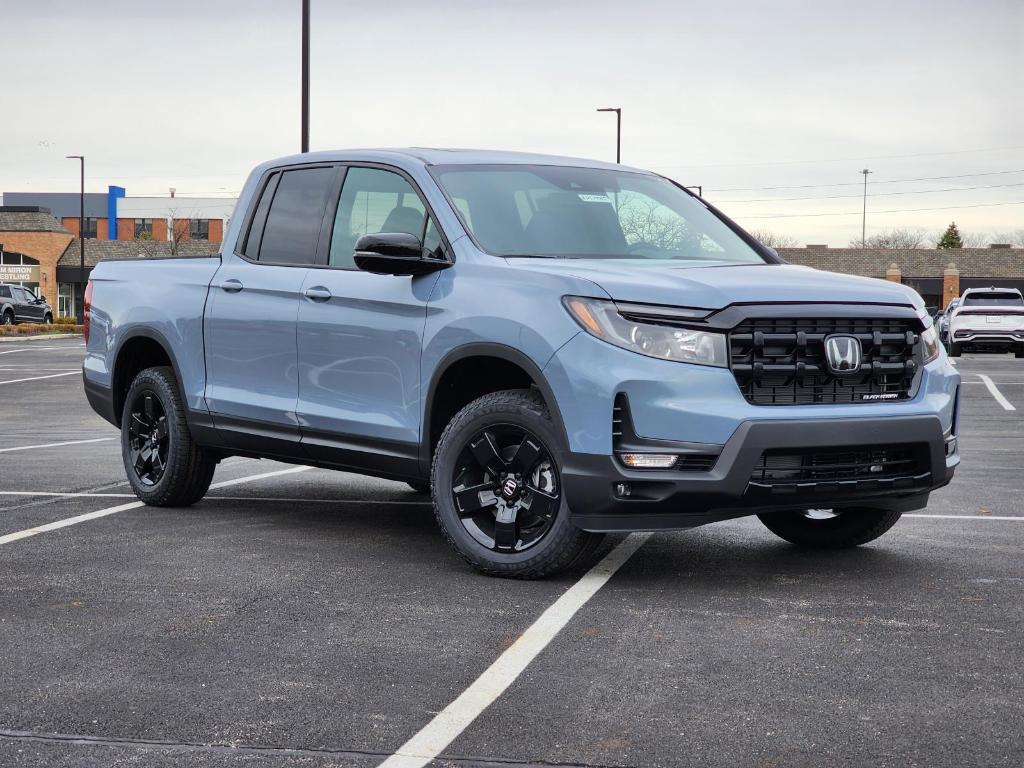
(440, 156)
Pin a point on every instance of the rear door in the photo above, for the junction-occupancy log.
(360, 335)
(251, 357)
(26, 310)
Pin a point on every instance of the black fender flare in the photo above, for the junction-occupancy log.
(161, 340)
(486, 349)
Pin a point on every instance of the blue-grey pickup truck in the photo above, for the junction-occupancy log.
(554, 348)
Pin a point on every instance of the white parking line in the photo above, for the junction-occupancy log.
(996, 393)
(32, 349)
(18, 535)
(422, 748)
(85, 495)
(1019, 519)
(37, 378)
(55, 445)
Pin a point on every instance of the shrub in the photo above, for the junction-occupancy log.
(35, 329)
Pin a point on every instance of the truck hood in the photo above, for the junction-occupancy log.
(718, 286)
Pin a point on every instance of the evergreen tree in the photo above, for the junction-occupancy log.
(951, 238)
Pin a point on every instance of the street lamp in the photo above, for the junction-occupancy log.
(79, 302)
(305, 76)
(618, 130)
(864, 215)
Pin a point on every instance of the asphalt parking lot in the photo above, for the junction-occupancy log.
(314, 618)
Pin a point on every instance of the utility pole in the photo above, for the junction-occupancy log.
(618, 130)
(80, 298)
(305, 75)
(864, 215)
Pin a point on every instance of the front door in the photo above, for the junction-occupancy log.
(360, 335)
(249, 324)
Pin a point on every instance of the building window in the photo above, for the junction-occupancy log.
(90, 227)
(143, 229)
(199, 229)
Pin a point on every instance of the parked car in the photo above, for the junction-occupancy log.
(942, 319)
(21, 305)
(988, 319)
(556, 348)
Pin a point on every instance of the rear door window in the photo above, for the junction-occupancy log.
(294, 216)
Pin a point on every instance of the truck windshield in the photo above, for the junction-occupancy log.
(565, 212)
(993, 300)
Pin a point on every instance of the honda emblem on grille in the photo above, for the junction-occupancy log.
(843, 353)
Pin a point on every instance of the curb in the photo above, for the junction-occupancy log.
(41, 337)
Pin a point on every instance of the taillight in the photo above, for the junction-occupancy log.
(86, 311)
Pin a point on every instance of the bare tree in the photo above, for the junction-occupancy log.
(650, 222)
(774, 239)
(984, 239)
(894, 239)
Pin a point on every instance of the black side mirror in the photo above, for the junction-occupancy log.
(394, 253)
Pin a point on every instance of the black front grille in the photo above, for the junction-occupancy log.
(782, 361)
(854, 468)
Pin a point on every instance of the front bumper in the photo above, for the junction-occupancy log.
(669, 499)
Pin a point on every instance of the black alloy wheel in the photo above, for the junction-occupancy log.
(148, 439)
(506, 489)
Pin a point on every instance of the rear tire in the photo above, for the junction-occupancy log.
(955, 349)
(845, 528)
(165, 467)
(7, 319)
(1018, 353)
(519, 481)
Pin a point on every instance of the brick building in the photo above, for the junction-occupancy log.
(116, 216)
(937, 274)
(31, 244)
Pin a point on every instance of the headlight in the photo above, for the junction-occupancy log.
(685, 345)
(930, 343)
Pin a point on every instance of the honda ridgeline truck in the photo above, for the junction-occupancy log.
(554, 348)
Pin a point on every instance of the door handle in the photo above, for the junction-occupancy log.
(317, 293)
(231, 286)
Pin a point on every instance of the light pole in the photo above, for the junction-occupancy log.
(80, 298)
(305, 75)
(864, 215)
(618, 130)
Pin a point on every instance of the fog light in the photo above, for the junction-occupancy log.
(623, 490)
(648, 460)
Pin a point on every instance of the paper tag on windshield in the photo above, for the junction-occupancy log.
(594, 198)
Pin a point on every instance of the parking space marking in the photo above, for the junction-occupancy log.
(37, 378)
(57, 524)
(1019, 519)
(290, 500)
(994, 391)
(428, 743)
(55, 445)
(31, 349)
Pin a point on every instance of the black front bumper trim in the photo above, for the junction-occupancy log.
(663, 500)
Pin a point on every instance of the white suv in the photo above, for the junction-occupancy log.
(988, 318)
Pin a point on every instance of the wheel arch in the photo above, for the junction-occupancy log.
(460, 358)
(143, 348)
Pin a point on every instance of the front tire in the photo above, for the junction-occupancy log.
(497, 490)
(47, 319)
(164, 465)
(955, 349)
(830, 529)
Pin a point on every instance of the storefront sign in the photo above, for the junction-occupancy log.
(19, 273)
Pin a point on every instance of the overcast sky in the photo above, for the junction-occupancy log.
(736, 96)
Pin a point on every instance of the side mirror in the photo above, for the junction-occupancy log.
(394, 253)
